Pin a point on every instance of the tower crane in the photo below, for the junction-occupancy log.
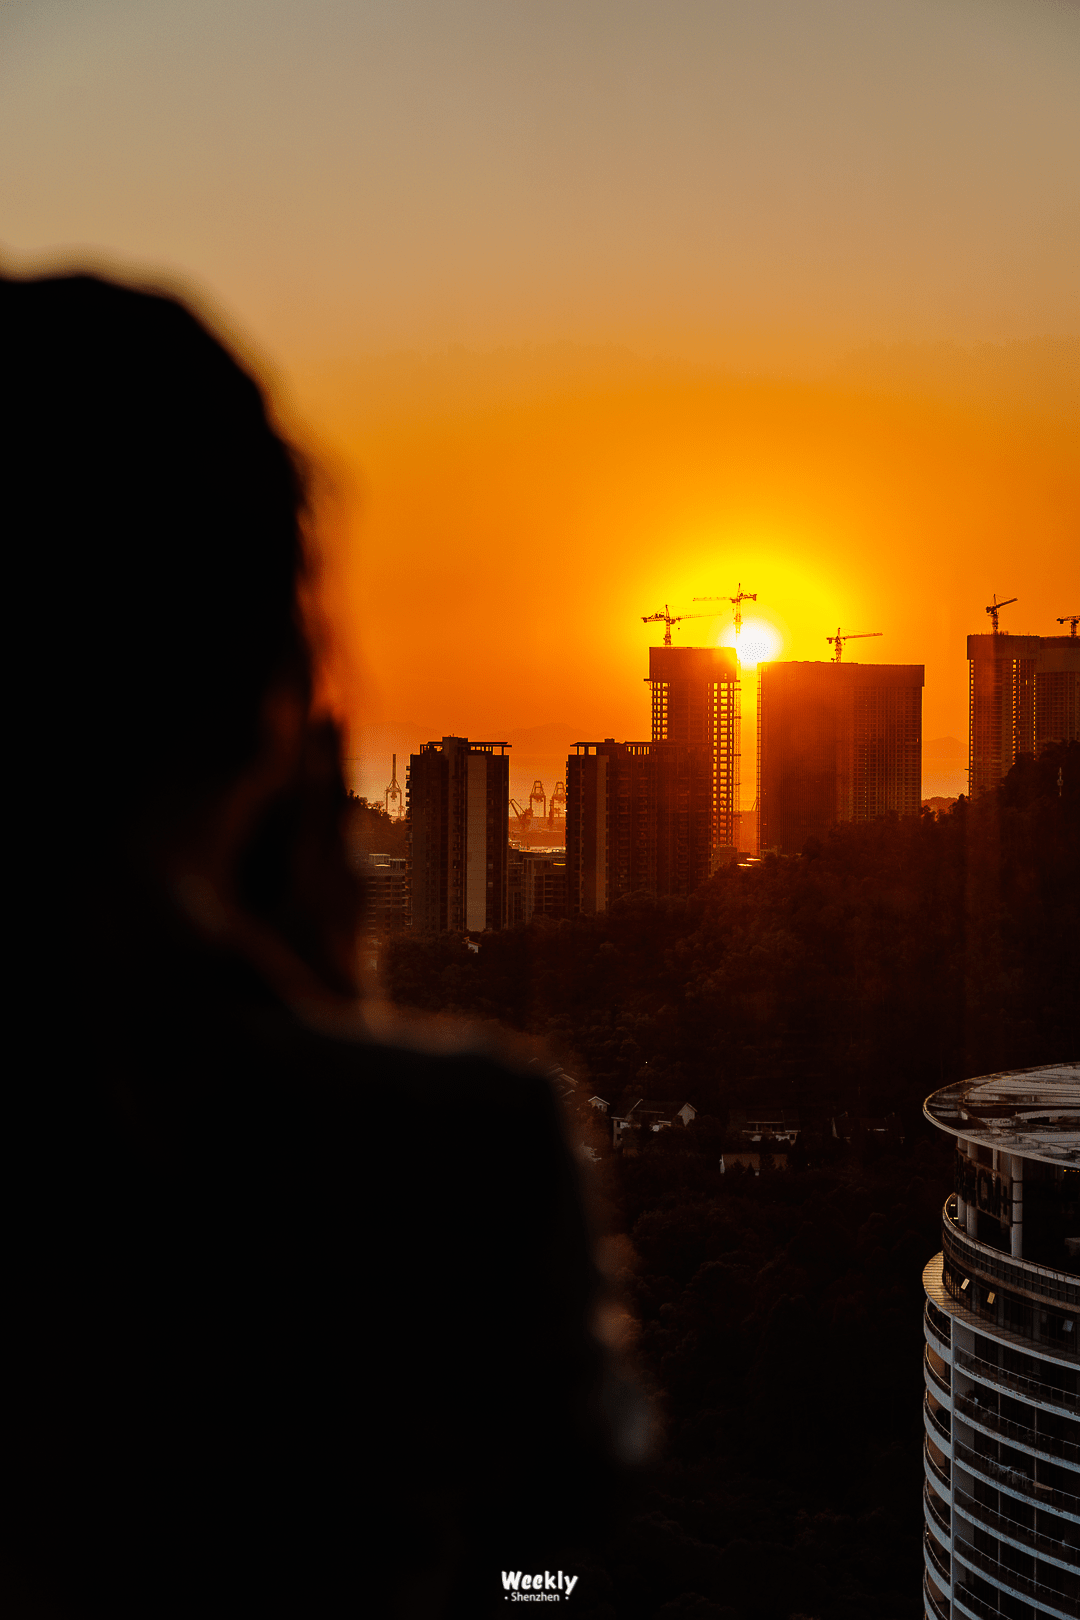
(668, 618)
(837, 642)
(1072, 620)
(995, 608)
(736, 601)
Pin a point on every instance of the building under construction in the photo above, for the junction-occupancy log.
(836, 742)
(640, 817)
(695, 703)
(458, 795)
(1023, 695)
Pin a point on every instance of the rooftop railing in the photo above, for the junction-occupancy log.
(1022, 1434)
(1003, 1378)
(1049, 1599)
(1015, 1479)
(1025, 1275)
(1002, 1525)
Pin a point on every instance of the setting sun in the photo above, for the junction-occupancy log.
(758, 642)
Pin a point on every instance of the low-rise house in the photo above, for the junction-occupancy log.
(764, 1125)
(883, 1129)
(642, 1115)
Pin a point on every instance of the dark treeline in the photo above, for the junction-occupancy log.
(777, 1319)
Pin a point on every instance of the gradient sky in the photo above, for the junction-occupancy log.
(590, 307)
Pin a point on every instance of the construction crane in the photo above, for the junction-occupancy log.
(837, 642)
(736, 601)
(1072, 620)
(393, 797)
(995, 608)
(524, 816)
(538, 796)
(557, 804)
(668, 618)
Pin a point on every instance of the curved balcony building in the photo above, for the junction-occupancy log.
(1001, 1365)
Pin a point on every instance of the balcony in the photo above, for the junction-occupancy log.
(1018, 1434)
(938, 1384)
(934, 1605)
(939, 1561)
(937, 1511)
(1016, 1483)
(1055, 1287)
(1049, 1600)
(938, 1425)
(1018, 1383)
(965, 1602)
(941, 1475)
(939, 1337)
(999, 1524)
(939, 1322)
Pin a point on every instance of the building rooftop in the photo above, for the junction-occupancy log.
(1034, 1113)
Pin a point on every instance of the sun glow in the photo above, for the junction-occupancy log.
(758, 642)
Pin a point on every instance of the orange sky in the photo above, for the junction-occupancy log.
(519, 513)
(589, 309)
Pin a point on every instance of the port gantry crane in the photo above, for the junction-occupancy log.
(394, 799)
(1072, 620)
(668, 619)
(736, 601)
(837, 642)
(995, 608)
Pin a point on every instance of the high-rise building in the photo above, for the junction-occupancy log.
(1001, 1451)
(386, 885)
(639, 817)
(1023, 694)
(836, 742)
(458, 796)
(695, 703)
(536, 885)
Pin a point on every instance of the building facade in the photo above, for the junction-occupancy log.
(536, 885)
(1001, 1364)
(458, 797)
(386, 887)
(695, 704)
(1023, 694)
(639, 817)
(836, 742)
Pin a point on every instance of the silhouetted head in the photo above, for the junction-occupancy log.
(157, 657)
(157, 548)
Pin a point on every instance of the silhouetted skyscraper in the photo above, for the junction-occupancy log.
(695, 702)
(639, 817)
(458, 802)
(1024, 693)
(837, 742)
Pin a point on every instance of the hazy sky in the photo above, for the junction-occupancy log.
(563, 295)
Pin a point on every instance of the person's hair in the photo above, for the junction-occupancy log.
(154, 558)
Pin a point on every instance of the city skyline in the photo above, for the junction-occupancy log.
(579, 317)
